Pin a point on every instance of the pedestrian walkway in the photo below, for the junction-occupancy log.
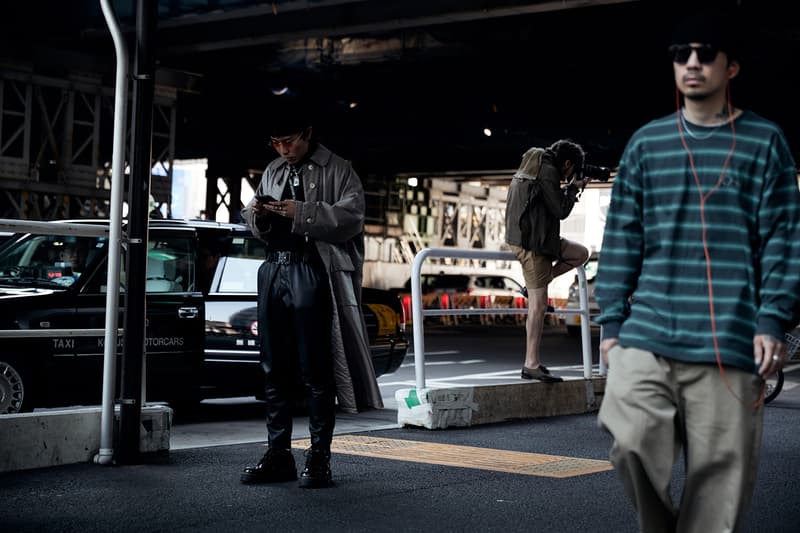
(447, 480)
(450, 480)
(253, 429)
(534, 464)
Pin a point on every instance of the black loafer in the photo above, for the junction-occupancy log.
(541, 373)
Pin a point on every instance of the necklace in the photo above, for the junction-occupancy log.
(294, 180)
(695, 135)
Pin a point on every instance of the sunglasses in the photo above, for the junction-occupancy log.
(680, 53)
(288, 142)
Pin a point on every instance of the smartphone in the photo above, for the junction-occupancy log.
(264, 198)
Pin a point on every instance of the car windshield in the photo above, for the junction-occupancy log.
(52, 261)
(497, 282)
(247, 247)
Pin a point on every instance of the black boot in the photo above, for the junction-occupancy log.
(317, 473)
(275, 467)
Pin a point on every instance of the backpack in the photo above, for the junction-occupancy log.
(531, 163)
(522, 193)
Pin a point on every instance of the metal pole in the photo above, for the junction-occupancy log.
(139, 195)
(417, 312)
(586, 342)
(416, 318)
(602, 368)
(106, 453)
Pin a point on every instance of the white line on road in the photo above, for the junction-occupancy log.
(443, 363)
(394, 383)
(443, 352)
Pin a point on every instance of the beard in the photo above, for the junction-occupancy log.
(696, 96)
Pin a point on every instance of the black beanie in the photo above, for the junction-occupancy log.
(717, 28)
(289, 116)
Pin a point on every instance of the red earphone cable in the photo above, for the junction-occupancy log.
(703, 199)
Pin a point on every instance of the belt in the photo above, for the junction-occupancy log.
(287, 257)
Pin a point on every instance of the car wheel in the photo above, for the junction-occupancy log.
(16, 392)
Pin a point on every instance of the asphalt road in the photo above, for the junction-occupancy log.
(485, 355)
(389, 478)
(197, 489)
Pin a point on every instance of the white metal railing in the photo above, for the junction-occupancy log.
(417, 312)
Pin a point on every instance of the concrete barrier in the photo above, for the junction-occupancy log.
(59, 437)
(468, 406)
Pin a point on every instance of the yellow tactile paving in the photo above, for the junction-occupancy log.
(532, 464)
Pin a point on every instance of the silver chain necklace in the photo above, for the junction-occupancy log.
(694, 135)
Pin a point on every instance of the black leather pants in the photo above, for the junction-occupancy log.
(294, 322)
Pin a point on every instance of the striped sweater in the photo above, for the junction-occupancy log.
(652, 284)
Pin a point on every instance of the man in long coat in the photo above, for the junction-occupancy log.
(309, 210)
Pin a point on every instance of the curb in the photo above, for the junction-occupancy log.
(469, 406)
(59, 437)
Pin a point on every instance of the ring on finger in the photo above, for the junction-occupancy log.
(775, 358)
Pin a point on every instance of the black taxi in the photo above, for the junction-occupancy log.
(201, 326)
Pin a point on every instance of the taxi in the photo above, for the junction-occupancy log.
(201, 327)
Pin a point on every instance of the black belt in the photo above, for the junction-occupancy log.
(287, 257)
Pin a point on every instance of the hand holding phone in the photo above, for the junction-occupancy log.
(265, 198)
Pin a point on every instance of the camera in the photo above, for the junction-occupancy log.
(596, 172)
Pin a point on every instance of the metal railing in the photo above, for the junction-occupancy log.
(417, 311)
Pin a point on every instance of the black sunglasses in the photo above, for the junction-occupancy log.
(681, 53)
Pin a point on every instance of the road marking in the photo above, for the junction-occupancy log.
(445, 363)
(531, 464)
(443, 352)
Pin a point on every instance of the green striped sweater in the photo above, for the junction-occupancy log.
(652, 285)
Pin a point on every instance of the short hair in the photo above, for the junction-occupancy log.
(566, 150)
(713, 26)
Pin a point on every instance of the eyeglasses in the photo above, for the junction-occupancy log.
(681, 53)
(288, 142)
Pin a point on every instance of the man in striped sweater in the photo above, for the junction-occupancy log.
(698, 283)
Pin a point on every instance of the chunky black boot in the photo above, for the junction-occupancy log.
(317, 473)
(275, 467)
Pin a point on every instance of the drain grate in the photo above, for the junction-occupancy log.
(533, 464)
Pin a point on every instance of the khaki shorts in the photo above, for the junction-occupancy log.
(536, 269)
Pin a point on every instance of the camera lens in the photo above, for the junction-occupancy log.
(596, 173)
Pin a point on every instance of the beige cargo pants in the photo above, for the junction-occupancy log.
(654, 408)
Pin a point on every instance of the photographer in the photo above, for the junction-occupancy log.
(536, 204)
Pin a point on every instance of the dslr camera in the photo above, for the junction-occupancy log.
(596, 172)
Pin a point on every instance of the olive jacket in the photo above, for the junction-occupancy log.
(534, 207)
(332, 218)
